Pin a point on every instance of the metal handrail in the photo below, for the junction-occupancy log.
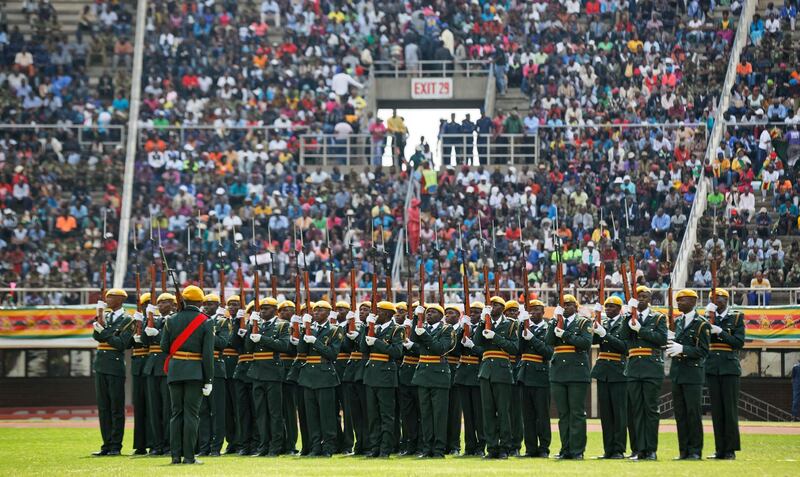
(80, 129)
(431, 69)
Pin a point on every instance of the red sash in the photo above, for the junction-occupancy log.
(185, 334)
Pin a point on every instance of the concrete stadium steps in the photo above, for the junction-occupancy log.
(68, 11)
(514, 97)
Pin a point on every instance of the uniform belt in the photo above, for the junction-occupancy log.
(720, 347)
(356, 355)
(245, 357)
(452, 359)
(217, 354)
(315, 360)
(155, 349)
(265, 355)
(229, 352)
(533, 358)
(609, 356)
(495, 355)
(431, 359)
(137, 352)
(468, 359)
(379, 357)
(564, 349)
(640, 352)
(187, 356)
(105, 347)
(286, 357)
(410, 360)
(300, 357)
(343, 356)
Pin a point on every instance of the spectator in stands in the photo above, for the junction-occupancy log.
(759, 294)
(660, 224)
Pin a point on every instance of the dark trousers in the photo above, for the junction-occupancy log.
(644, 414)
(110, 393)
(344, 431)
(212, 419)
(495, 399)
(380, 410)
(536, 418)
(185, 419)
(409, 418)
(141, 440)
(244, 419)
(230, 415)
(357, 403)
(688, 404)
(321, 416)
(289, 418)
(268, 412)
(612, 404)
(570, 401)
(158, 401)
(474, 440)
(454, 420)
(516, 418)
(433, 419)
(724, 394)
(299, 397)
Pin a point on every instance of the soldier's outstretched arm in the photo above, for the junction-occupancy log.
(541, 347)
(443, 344)
(699, 348)
(393, 347)
(657, 334)
(280, 341)
(330, 349)
(510, 343)
(737, 335)
(580, 338)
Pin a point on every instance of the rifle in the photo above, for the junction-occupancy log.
(305, 280)
(297, 296)
(409, 284)
(670, 307)
(601, 292)
(138, 284)
(386, 269)
(634, 294)
(240, 278)
(712, 315)
(221, 256)
(494, 263)
(465, 276)
(524, 267)
(488, 323)
(330, 269)
(273, 279)
(256, 301)
(150, 317)
(374, 298)
(351, 325)
(438, 264)
(100, 315)
(559, 276)
(178, 295)
(421, 319)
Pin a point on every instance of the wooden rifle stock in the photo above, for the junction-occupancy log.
(351, 325)
(333, 287)
(222, 286)
(634, 311)
(389, 294)
(308, 299)
(712, 315)
(242, 300)
(296, 326)
(150, 317)
(526, 291)
(201, 275)
(670, 309)
(421, 318)
(467, 327)
(560, 285)
(256, 301)
(100, 316)
(163, 279)
(601, 292)
(487, 325)
(138, 301)
(373, 304)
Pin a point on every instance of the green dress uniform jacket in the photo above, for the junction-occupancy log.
(506, 340)
(212, 409)
(723, 356)
(687, 373)
(434, 344)
(380, 379)
(154, 366)
(158, 399)
(535, 357)
(139, 353)
(355, 394)
(723, 372)
(408, 396)
(267, 364)
(468, 387)
(613, 355)
(612, 392)
(534, 380)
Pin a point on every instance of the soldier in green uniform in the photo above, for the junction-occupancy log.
(512, 311)
(533, 378)
(212, 408)
(496, 345)
(466, 377)
(231, 357)
(141, 438)
(688, 351)
(246, 434)
(109, 369)
(644, 370)
(190, 371)
(291, 379)
(320, 342)
(452, 316)
(380, 377)
(285, 312)
(609, 371)
(408, 394)
(158, 398)
(344, 431)
(268, 373)
(570, 376)
(356, 397)
(722, 375)
(432, 378)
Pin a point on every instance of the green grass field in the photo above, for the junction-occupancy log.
(61, 451)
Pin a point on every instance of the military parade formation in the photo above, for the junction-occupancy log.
(215, 374)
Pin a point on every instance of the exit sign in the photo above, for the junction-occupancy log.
(431, 88)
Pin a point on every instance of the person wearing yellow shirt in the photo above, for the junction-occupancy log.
(597, 231)
(397, 128)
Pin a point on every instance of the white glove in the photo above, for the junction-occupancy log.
(242, 332)
(626, 310)
(150, 331)
(207, 389)
(558, 331)
(254, 317)
(670, 335)
(221, 312)
(351, 315)
(98, 327)
(488, 334)
(307, 319)
(599, 330)
(138, 316)
(240, 314)
(296, 319)
(419, 310)
(674, 349)
(715, 330)
(371, 318)
(294, 340)
(310, 339)
(597, 308)
(523, 315)
(487, 311)
(151, 309)
(370, 340)
(352, 335)
(333, 315)
(635, 325)
(465, 320)
(633, 303)
(527, 335)
(711, 307)
(558, 311)
(407, 322)
(137, 338)
(407, 344)
(468, 343)
(101, 306)
(255, 337)
(419, 331)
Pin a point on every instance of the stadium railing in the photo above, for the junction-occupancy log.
(113, 134)
(431, 69)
